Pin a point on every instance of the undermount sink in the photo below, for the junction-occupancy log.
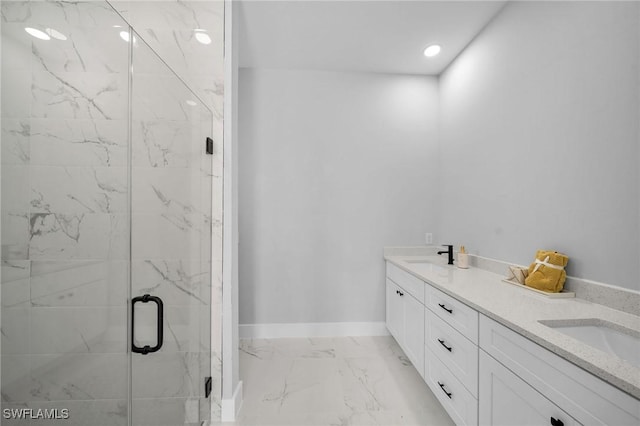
(603, 335)
(425, 266)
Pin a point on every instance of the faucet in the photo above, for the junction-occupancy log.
(449, 252)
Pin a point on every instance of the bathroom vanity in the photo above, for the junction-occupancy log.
(496, 354)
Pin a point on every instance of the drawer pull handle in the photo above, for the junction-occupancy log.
(449, 393)
(556, 422)
(445, 346)
(445, 308)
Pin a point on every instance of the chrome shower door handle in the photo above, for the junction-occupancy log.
(159, 328)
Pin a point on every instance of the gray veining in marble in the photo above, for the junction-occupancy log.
(333, 381)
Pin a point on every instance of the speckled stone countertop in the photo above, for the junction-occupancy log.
(521, 310)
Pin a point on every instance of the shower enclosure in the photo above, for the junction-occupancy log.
(106, 203)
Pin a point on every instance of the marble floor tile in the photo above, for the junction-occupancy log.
(333, 381)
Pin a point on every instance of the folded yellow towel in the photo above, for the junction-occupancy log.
(547, 273)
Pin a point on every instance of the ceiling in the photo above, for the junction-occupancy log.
(368, 36)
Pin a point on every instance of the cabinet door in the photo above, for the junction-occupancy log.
(505, 399)
(395, 315)
(414, 331)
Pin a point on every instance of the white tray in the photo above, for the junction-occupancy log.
(562, 295)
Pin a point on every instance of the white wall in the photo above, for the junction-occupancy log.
(333, 166)
(231, 385)
(539, 138)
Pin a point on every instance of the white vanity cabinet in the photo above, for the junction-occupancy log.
(485, 373)
(451, 355)
(405, 313)
(507, 400)
(394, 309)
(558, 391)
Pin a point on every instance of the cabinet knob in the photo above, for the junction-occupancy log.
(556, 422)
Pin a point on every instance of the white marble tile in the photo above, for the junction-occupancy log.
(79, 283)
(378, 387)
(171, 237)
(16, 92)
(56, 142)
(170, 192)
(78, 236)
(86, 49)
(165, 411)
(15, 188)
(166, 375)
(89, 14)
(376, 384)
(211, 90)
(15, 283)
(298, 385)
(15, 235)
(346, 418)
(167, 14)
(62, 330)
(16, 141)
(78, 376)
(161, 97)
(179, 47)
(77, 190)
(79, 95)
(16, 378)
(177, 282)
(16, 44)
(16, 328)
(97, 412)
(162, 144)
(209, 408)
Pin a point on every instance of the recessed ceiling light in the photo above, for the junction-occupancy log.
(202, 36)
(37, 33)
(432, 50)
(56, 34)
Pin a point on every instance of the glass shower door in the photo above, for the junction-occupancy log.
(105, 198)
(170, 244)
(65, 214)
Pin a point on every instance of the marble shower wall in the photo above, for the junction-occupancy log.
(65, 211)
(65, 206)
(169, 27)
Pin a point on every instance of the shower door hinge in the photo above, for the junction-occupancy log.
(207, 387)
(209, 146)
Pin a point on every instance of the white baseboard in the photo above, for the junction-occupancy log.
(316, 329)
(229, 408)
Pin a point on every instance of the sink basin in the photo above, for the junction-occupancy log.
(603, 335)
(423, 266)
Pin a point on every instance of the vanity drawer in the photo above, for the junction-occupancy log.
(458, 353)
(585, 397)
(454, 397)
(408, 282)
(455, 313)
